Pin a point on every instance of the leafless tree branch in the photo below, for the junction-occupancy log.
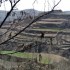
(36, 19)
(8, 14)
(10, 3)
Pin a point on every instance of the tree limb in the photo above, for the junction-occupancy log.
(37, 18)
(8, 14)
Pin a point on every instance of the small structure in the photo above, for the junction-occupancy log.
(42, 35)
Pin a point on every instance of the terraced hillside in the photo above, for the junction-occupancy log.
(51, 26)
(49, 37)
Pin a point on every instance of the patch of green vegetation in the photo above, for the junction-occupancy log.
(44, 60)
(47, 29)
(22, 55)
(18, 54)
(6, 52)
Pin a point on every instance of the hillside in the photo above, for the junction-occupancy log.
(42, 46)
(17, 14)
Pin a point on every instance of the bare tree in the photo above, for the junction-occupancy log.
(34, 20)
(12, 6)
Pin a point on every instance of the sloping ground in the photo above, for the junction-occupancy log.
(53, 58)
(50, 23)
(45, 56)
(16, 60)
